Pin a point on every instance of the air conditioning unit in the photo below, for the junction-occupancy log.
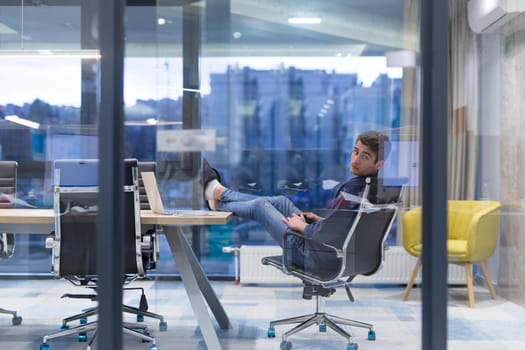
(487, 16)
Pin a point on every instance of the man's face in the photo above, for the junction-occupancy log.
(363, 162)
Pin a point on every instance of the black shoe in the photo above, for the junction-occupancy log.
(208, 173)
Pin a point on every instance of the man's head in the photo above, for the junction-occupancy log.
(370, 150)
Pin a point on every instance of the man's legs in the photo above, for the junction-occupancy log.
(267, 211)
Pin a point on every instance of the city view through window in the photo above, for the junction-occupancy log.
(283, 126)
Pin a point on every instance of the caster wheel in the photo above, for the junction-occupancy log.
(352, 346)
(153, 347)
(285, 345)
(371, 335)
(83, 320)
(140, 318)
(322, 328)
(163, 326)
(271, 332)
(44, 346)
(82, 337)
(146, 333)
(64, 327)
(17, 320)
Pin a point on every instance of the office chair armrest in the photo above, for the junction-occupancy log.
(300, 235)
(287, 259)
(294, 233)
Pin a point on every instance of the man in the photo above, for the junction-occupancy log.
(278, 215)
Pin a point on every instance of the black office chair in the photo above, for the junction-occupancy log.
(358, 250)
(74, 256)
(7, 240)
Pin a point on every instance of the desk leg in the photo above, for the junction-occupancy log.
(197, 287)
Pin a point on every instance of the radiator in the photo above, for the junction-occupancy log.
(396, 268)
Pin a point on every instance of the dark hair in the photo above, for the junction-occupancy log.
(377, 142)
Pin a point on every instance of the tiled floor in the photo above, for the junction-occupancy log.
(493, 324)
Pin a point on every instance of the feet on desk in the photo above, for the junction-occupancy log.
(211, 185)
(208, 173)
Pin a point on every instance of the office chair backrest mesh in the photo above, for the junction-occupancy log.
(357, 232)
(364, 253)
(78, 229)
(145, 166)
(7, 183)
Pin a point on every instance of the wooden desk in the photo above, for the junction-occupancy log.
(197, 286)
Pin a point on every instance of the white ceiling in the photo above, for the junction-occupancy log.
(357, 27)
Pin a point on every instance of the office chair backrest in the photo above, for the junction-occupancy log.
(76, 228)
(7, 200)
(132, 228)
(358, 234)
(388, 190)
(145, 166)
(7, 183)
(364, 252)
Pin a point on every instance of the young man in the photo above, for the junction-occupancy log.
(278, 215)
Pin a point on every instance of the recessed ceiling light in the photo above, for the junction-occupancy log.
(304, 20)
(237, 35)
(161, 21)
(22, 121)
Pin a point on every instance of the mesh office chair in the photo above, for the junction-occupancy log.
(149, 248)
(74, 246)
(7, 240)
(357, 251)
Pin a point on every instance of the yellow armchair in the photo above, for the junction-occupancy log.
(473, 228)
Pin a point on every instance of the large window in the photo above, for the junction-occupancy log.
(285, 102)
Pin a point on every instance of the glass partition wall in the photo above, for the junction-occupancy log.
(272, 94)
(278, 104)
(282, 102)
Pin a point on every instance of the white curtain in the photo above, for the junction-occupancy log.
(463, 105)
(410, 104)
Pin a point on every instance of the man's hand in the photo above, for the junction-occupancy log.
(312, 217)
(295, 222)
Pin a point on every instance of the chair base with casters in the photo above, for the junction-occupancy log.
(138, 330)
(319, 318)
(140, 312)
(7, 247)
(16, 320)
(133, 329)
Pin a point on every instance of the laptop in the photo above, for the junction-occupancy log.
(155, 201)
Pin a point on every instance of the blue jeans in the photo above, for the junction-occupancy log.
(266, 210)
